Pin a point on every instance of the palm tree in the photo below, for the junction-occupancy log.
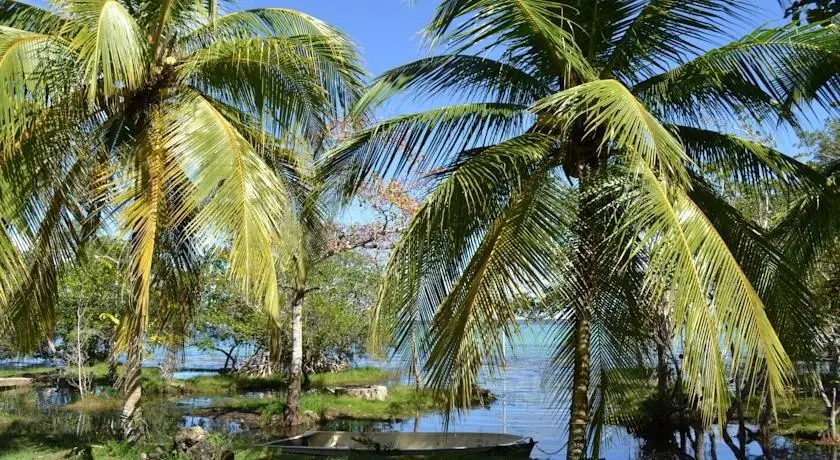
(571, 163)
(157, 120)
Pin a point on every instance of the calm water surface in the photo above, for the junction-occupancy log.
(525, 406)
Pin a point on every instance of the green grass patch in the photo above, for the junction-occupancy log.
(228, 384)
(95, 404)
(356, 376)
(800, 418)
(232, 384)
(402, 402)
(36, 371)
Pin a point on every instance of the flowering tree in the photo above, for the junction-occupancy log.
(390, 206)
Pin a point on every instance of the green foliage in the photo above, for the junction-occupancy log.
(225, 321)
(823, 144)
(334, 322)
(233, 383)
(402, 402)
(93, 287)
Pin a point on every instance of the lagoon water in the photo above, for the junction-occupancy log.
(524, 406)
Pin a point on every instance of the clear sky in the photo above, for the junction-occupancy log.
(388, 33)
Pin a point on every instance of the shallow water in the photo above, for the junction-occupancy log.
(524, 407)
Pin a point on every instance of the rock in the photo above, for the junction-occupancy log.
(189, 437)
(194, 443)
(309, 417)
(369, 392)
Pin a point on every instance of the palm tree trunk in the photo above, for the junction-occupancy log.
(292, 413)
(699, 440)
(132, 413)
(588, 257)
(579, 417)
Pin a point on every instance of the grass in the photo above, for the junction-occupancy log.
(109, 450)
(95, 404)
(402, 402)
(798, 418)
(231, 384)
(357, 376)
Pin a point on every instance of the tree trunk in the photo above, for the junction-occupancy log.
(292, 414)
(415, 357)
(766, 416)
(579, 417)
(830, 409)
(588, 259)
(663, 344)
(739, 411)
(132, 414)
(80, 360)
(699, 441)
(661, 372)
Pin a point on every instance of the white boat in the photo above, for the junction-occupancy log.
(399, 444)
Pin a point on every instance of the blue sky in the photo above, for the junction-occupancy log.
(388, 33)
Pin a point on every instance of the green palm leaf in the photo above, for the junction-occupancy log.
(797, 318)
(623, 122)
(444, 290)
(422, 142)
(110, 45)
(752, 164)
(261, 23)
(536, 34)
(662, 32)
(244, 202)
(769, 72)
(469, 77)
(31, 18)
(715, 302)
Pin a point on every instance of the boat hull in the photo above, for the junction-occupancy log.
(406, 445)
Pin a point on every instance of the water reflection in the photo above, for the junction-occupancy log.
(524, 405)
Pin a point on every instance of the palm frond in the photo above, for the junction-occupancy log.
(772, 73)
(141, 220)
(35, 70)
(472, 78)
(31, 18)
(450, 289)
(716, 307)
(747, 162)
(608, 107)
(791, 308)
(291, 82)
(50, 231)
(471, 192)
(261, 23)
(665, 32)
(514, 258)
(244, 204)
(535, 34)
(110, 45)
(810, 227)
(421, 142)
(619, 319)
